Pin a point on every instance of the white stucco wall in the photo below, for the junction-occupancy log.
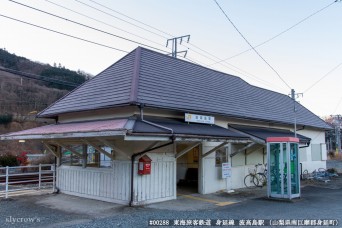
(317, 137)
(210, 175)
(161, 184)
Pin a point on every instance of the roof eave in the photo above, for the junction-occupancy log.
(233, 116)
(56, 114)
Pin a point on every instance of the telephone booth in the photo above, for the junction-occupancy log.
(283, 173)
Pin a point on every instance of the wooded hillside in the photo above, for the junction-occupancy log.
(21, 98)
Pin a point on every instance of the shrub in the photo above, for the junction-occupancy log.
(22, 159)
(6, 118)
(8, 160)
(332, 170)
(47, 159)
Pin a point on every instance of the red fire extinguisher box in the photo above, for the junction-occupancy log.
(144, 165)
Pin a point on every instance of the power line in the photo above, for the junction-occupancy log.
(338, 105)
(324, 76)
(102, 22)
(38, 77)
(147, 25)
(119, 18)
(64, 34)
(256, 78)
(86, 26)
(239, 70)
(251, 45)
(279, 34)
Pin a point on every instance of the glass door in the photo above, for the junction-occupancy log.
(294, 161)
(274, 160)
(278, 170)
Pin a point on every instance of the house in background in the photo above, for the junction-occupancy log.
(150, 121)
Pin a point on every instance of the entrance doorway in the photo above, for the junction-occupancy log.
(187, 170)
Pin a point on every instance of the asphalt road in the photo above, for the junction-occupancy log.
(320, 202)
(316, 203)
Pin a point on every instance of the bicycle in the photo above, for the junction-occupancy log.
(254, 178)
(321, 175)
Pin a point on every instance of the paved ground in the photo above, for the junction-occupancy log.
(319, 201)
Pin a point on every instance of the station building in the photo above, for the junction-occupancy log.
(151, 125)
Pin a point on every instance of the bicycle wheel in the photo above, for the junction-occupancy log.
(322, 170)
(305, 175)
(262, 180)
(250, 181)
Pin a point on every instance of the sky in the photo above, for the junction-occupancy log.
(305, 53)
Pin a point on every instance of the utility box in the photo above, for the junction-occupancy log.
(283, 175)
(144, 165)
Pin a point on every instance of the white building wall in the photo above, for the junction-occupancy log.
(160, 185)
(210, 175)
(114, 184)
(106, 184)
(306, 158)
(211, 180)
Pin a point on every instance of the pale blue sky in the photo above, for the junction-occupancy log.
(301, 56)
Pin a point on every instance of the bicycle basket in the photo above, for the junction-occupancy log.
(251, 170)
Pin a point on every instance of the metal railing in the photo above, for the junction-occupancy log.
(23, 178)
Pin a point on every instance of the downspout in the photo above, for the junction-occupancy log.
(145, 151)
(132, 166)
(307, 145)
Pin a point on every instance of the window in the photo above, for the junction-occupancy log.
(94, 157)
(221, 156)
(316, 152)
(97, 159)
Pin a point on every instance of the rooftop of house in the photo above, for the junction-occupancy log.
(160, 81)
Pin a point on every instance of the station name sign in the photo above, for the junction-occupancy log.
(194, 118)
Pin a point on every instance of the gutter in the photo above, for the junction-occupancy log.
(307, 145)
(141, 106)
(147, 150)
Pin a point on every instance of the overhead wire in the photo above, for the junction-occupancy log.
(62, 33)
(87, 26)
(194, 61)
(104, 23)
(38, 77)
(270, 66)
(277, 35)
(111, 15)
(324, 76)
(240, 71)
(122, 14)
(338, 105)
(237, 69)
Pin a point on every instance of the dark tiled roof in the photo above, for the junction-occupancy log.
(264, 133)
(157, 80)
(180, 127)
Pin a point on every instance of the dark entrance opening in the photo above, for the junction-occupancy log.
(187, 171)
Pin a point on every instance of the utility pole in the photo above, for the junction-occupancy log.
(174, 44)
(295, 95)
(337, 123)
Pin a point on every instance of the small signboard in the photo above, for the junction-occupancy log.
(226, 170)
(194, 118)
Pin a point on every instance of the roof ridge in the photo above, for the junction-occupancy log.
(135, 77)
